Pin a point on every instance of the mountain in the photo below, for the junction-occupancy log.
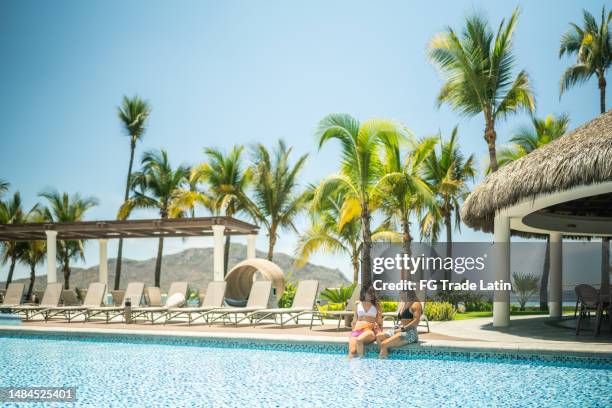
(193, 265)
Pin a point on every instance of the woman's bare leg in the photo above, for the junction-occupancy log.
(352, 347)
(363, 339)
(380, 337)
(394, 341)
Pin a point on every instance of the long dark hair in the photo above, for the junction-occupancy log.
(409, 296)
(368, 294)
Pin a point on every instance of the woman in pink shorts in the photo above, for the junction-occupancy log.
(367, 322)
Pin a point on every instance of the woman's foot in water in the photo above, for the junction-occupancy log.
(384, 353)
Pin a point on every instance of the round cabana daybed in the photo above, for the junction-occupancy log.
(562, 188)
(240, 278)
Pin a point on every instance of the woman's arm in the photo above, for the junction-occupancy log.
(379, 319)
(354, 322)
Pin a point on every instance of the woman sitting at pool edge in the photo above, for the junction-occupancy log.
(409, 315)
(367, 322)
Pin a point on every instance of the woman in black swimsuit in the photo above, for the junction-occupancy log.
(409, 315)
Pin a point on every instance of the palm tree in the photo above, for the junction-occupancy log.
(526, 140)
(228, 179)
(133, 114)
(525, 286)
(592, 44)
(276, 196)
(360, 171)
(32, 256)
(155, 187)
(447, 172)
(187, 198)
(325, 234)
(402, 190)
(63, 207)
(11, 212)
(478, 67)
(4, 186)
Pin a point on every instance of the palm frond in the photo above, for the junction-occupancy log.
(133, 114)
(317, 237)
(591, 44)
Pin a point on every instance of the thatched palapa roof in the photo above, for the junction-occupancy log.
(581, 157)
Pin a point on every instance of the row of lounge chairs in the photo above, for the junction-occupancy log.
(210, 310)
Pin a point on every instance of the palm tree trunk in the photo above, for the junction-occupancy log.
(126, 196)
(449, 244)
(66, 271)
(605, 241)
(544, 281)
(491, 137)
(226, 254)
(406, 241)
(406, 237)
(32, 279)
(366, 235)
(355, 263)
(602, 93)
(158, 262)
(9, 278)
(271, 242)
(118, 265)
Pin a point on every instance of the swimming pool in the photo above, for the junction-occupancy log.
(144, 372)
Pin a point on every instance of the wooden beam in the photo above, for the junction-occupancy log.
(180, 227)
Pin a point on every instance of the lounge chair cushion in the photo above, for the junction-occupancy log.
(14, 294)
(236, 302)
(175, 300)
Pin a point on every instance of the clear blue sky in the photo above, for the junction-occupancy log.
(219, 73)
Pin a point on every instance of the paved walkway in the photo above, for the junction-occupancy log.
(535, 334)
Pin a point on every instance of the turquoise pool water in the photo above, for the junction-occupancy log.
(147, 373)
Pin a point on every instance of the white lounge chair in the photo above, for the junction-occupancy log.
(133, 292)
(153, 296)
(259, 297)
(13, 295)
(51, 298)
(303, 303)
(213, 300)
(149, 312)
(94, 298)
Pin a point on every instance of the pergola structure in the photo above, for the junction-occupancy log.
(561, 189)
(217, 227)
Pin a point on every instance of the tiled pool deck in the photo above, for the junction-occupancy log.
(526, 335)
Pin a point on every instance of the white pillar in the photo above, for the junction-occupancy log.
(501, 299)
(555, 276)
(218, 253)
(251, 246)
(103, 268)
(51, 256)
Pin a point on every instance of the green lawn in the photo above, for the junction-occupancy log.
(472, 315)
